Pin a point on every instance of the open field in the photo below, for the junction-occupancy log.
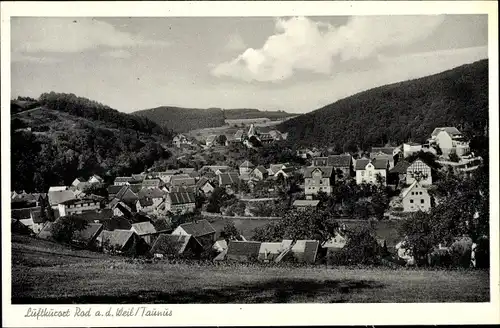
(85, 277)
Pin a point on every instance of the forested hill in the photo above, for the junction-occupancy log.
(187, 119)
(65, 137)
(399, 112)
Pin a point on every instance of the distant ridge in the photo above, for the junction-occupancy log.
(398, 112)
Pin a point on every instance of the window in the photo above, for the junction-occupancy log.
(362, 173)
(411, 201)
(412, 193)
(422, 201)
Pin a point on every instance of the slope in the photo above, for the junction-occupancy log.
(399, 112)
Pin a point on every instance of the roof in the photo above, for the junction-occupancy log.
(116, 223)
(23, 213)
(113, 190)
(171, 244)
(385, 150)
(151, 182)
(161, 225)
(306, 202)
(46, 232)
(326, 170)
(400, 167)
(238, 134)
(406, 191)
(247, 164)
(339, 160)
(198, 228)
(151, 193)
(203, 180)
(220, 244)
(274, 168)
(145, 202)
(411, 143)
(89, 233)
(144, 228)
(182, 181)
(124, 179)
(228, 178)
(126, 193)
(37, 216)
(79, 201)
(181, 198)
(57, 197)
(453, 131)
(116, 238)
(243, 248)
(98, 178)
(305, 250)
(92, 216)
(188, 189)
(378, 163)
(58, 188)
(261, 169)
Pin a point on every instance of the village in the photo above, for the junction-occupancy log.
(174, 213)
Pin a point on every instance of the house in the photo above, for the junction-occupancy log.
(216, 169)
(211, 140)
(145, 230)
(113, 191)
(162, 225)
(449, 139)
(419, 171)
(205, 186)
(259, 173)
(180, 140)
(79, 183)
(77, 206)
(87, 236)
(318, 178)
(30, 217)
(175, 245)
(182, 181)
(152, 183)
(246, 168)
(410, 148)
(155, 195)
(127, 195)
(285, 172)
(397, 175)
(180, 202)
(121, 241)
(416, 198)
(239, 135)
(243, 251)
(202, 230)
(58, 197)
(228, 179)
(342, 163)
(165, 176)
(19, 228)
(116, 223)
(392, 154)
(122, 181)
(145, 205)
(368, 170)
(303, 251)
(306, 204)
(95, 179)
(275, 168)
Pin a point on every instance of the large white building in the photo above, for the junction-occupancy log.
(449, 140)
(368, 170)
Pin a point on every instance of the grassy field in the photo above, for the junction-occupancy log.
(46, 273)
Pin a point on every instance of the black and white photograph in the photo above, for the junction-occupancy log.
(177, 159)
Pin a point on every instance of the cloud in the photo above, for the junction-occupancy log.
(70, 35)
(117, 54)
(235, 43)
(302, 44)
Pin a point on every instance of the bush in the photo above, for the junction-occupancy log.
(361, 248)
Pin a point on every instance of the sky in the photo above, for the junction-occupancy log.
(295, 64)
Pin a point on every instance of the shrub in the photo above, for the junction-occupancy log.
(361, 248)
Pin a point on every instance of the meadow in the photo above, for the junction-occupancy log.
(48, 273)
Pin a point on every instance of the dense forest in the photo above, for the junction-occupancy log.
(71, 137)
(187, 119)
(406, 111)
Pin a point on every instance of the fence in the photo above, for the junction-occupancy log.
(221, 216)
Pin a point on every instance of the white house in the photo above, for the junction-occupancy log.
(78, 206)
(367, 170)
(415, 198)
(410, 148)
(180, 202)
(449, 140)
(318, 178)
(95, 179)
(246, 168)
(419, 171)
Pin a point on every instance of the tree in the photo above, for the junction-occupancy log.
(229, 232)
(361, 248)
(221, 139)
(454, 157)
(64, 228)
(217, 199)
(271, 232)
(315, 225)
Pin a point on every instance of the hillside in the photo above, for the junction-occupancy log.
(67, 137)
(187, 119)
(399, 112)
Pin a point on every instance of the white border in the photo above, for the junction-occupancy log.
(290, 314)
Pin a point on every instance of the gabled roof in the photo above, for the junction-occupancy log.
(96, 177)
(182, 181)
(162, 225)
(151, 193)
(229, 178)
(116, 238)
(57, 197)
(274, 168)
(171, 244)
(126, 194)
(326, 170)
(177, 198)
(23, 213)
(198, 228)
(451, 130)
(305, 250)
(124, 179)
(89, 233)
(247, 164)
(144, 202)
(261, 169)
(203, 181)
(144, 228)
(339, 160)
(406, 191)
(214, 168)
(151, 182)
(116, 223)
(113, 190)
(37, 216)
(400, 167)
(306, 202)
(238, 134)
(46, 232)
(139, 177)
(243, 248)
(378, 163)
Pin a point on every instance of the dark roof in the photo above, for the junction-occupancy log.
(151, 193)
(113, 190)
(181, 197)
(247, 164)
(189, 189)
(124, 179)
(385, 150)
(92, 216)
(198, 228)
(115, 223)
(243, 248)
(327, 171)
(202, 182)
(339, 160)
(88, 234)
(378, 163)
(171, 244)
(400, 167)
(146, 202)
(57, 197)
(183, 181)
(37, 217)
(305, 250)
(116, 238)
(262, 169)
(135, 187)
(80, 201)
(23, 213)
(126, 194)
(228, 178)
(162, 225)
(151, 182)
